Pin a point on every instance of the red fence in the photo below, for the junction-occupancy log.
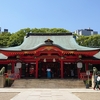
(83, 76)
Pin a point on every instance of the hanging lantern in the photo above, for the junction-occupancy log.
(18, 65)
(79, 65)
(65, 63)
(62, 57)
(33, 63)
(26, 64)
(54, 60)
(17, 56)
(44, 60)
(80, 56)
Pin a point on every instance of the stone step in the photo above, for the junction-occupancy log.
(48, 83)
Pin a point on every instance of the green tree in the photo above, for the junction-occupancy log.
(89, 41)
(4, 38)
(17, 38)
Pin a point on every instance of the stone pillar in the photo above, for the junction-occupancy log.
(92, 80)
(2, 81)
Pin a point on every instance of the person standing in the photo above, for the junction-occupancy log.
(72, 73)
(48, 73)
(32, 71)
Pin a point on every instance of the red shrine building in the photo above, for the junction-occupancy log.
(59, 52)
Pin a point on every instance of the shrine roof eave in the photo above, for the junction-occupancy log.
(2, 56)
(11, 49)
(53, 45)
(65, 49)
(97, 55)
(18, 49)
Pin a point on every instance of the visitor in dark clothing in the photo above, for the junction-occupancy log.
(95, 81)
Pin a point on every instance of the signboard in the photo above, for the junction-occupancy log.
(87, 72)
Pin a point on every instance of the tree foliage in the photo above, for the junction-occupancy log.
(89, 41)
(4, 38)
(15, 39)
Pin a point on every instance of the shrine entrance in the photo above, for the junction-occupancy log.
(53, 66)
(70, 70)
(28, 70)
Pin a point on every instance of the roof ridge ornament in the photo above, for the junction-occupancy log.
(48, 41)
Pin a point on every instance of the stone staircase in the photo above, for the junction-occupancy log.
(48, 83)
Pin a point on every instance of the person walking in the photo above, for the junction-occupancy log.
(98, 81)
(95, 81)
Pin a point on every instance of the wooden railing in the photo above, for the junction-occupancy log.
(12, 76)
(83, 76)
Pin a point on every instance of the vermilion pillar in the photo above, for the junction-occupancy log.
(13, 66)
(36, 74)
(61, 69)
(78, 71)
(86, 66)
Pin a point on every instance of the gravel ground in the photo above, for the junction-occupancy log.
(88, 96)
(81, 95)
(6, 95)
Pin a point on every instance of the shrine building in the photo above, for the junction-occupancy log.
(59, 52)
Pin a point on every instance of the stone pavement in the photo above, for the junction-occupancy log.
(46, 93)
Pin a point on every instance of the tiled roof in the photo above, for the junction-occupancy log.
(66, 42)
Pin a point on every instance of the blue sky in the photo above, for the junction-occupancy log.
(67, 14)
